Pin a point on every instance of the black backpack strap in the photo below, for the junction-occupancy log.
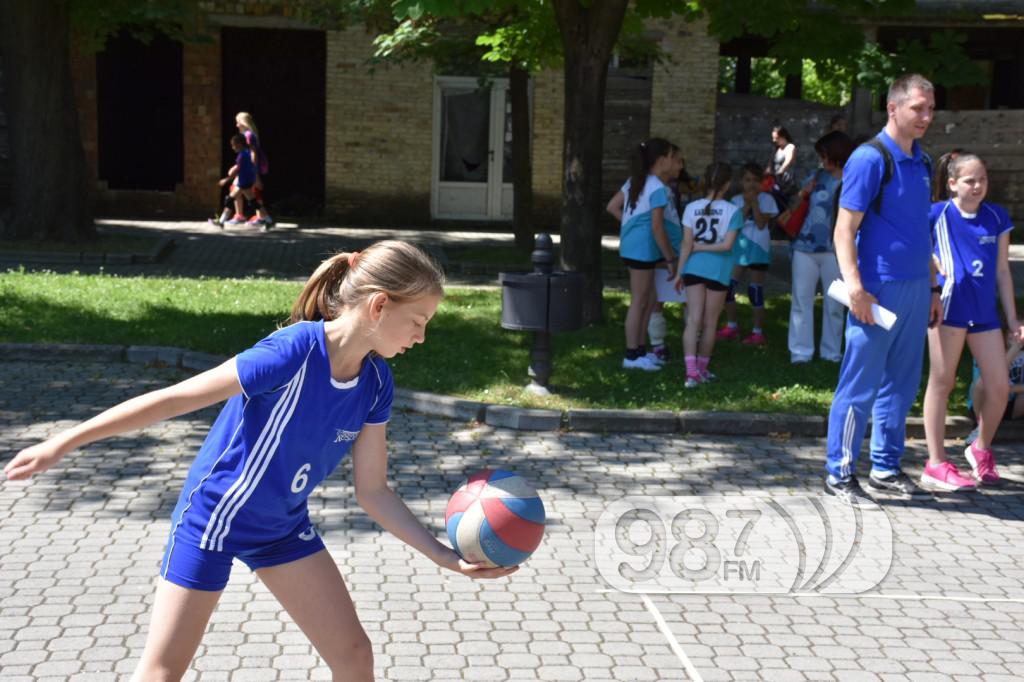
(879, 146)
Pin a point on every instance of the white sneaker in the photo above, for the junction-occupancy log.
(653, 357)
(641, 363)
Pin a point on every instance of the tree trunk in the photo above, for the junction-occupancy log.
(50, 199)
(588, 36)
(522, 165)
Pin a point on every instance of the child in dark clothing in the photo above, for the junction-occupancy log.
(244, 175)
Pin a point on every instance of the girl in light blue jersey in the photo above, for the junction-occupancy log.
(649, 237)
(972, 242)
(298, 402)
(710, 226)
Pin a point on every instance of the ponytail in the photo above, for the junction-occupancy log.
(398, 269)
(641, 161)
(940, 183)
(717, 177)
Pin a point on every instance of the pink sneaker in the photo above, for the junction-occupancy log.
(727, 333)
(755, 339)
(983, 464)
(945, 476)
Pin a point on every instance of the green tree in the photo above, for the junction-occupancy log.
(51, 198)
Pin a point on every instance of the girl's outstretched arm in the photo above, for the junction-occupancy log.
(369, 468)
(202, 390)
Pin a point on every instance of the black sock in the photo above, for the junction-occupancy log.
(632, 353)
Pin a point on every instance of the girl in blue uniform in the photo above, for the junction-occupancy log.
(972, 240)
(298, 402)
(649, 237)
(710, 226)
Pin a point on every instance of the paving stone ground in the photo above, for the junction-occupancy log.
(82, 545)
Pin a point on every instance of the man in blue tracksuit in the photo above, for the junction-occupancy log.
(883, 245)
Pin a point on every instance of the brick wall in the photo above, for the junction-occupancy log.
(996, 136)
(379, 135)
(201, 71)
(683, 102)
(548, 149)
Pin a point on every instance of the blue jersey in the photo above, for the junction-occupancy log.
(246, 168)
(710, 222)
(274, 443)
(967, 245)
(894, 244)
(636, 240)
(754, 244)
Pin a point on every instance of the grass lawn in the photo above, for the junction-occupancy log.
(467, 353)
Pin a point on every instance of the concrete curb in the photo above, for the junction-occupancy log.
(507, 416)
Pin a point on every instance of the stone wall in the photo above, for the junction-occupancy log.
(997, 136)
(548, 149)
(744, 129)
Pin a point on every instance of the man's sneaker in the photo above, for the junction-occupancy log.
(653, 357)
(897, 484)
(755, 339)
(692, 382)
(236, 220)
(727, 333)
(640, 363)
(945, 476)
(983, 464)
(216, 221)
(849, 492)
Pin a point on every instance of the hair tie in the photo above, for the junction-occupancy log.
(353, 258)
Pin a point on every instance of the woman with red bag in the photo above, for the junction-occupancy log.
(814, 256)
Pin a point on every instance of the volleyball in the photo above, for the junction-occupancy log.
(495, 518)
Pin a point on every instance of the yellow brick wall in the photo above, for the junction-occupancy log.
(548, 122)
(379, 132)
(684, 91)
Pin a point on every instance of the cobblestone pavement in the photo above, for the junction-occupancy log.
(82, 544)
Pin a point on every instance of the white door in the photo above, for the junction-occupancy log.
(472, 166)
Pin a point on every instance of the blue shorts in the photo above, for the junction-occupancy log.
(973, 327)
(187, 565)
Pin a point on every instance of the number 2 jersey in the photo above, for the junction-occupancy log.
(274, 443)
(967, 245)
(710, 222)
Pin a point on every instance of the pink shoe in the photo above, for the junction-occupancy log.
(755, 339)
(727, 333)
(983, 464)
(945, 476)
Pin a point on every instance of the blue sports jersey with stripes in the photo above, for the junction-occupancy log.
(967, 245)
(273, 444)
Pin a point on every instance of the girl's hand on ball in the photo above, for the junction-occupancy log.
(483, 571)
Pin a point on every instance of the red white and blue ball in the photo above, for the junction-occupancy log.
(495, 518)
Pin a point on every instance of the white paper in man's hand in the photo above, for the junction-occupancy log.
(884, 317)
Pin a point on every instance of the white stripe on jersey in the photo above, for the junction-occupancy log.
(945, 258)
(263, 451)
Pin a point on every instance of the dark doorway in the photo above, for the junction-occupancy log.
(139, 113)
(279, 76)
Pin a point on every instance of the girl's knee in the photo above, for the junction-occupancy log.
(353, 660)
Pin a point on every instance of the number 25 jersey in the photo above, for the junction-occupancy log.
(710, 222)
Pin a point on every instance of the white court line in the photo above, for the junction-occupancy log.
(836, 595)
(673, 643)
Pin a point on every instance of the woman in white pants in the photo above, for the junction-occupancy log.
(814, 257)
